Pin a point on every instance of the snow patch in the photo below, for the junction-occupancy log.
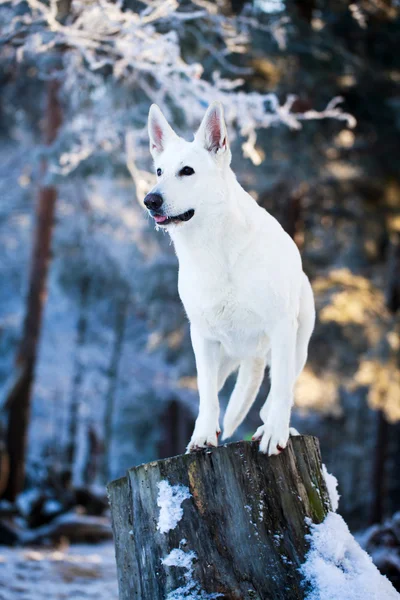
(52, 506)
(191, 590)
(332, 485)
(337, 567)
(179, 558)
(26, 500)
(170, 498)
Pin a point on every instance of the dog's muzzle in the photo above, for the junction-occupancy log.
(154, 202)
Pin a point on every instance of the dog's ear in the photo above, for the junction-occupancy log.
(160, 132)
(212, 131)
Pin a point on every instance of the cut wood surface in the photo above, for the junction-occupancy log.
(234, 528)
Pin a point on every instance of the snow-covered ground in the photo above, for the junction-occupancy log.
(79, 572)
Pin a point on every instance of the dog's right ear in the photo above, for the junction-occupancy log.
(212, 132)
(160, 132)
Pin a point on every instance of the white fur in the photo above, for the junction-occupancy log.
(240, 279)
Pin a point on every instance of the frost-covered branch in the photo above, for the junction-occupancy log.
(113, 63)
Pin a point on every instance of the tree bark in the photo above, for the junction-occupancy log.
(19, 397)
(245, 522)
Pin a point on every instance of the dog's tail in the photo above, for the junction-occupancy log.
(306, 320)
(251, 373)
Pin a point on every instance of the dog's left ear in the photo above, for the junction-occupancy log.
(160, 132)
(212, 131)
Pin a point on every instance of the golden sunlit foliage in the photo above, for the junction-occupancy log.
(383, 380)
(316, 392)
(358, 309)
(353, 300)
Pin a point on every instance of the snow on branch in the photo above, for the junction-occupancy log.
(113, 63)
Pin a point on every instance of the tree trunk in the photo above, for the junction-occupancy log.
(19, 396)
(379, 469)
(242, 530)
(176, 424)
(94, 455)
(393, 275)
(77, 379)
(119, 333)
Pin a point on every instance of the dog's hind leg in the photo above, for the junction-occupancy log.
(251, 374)
(227, 365)
(306, 320)
(275, 413)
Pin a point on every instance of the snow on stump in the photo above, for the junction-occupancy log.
(226, 523)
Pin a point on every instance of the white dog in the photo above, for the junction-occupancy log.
(240, 279)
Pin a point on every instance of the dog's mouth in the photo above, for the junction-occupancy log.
(165, 220)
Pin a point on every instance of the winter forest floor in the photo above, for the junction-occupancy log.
(80, 571)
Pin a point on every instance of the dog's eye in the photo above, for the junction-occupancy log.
(159, 172)
(186, 171)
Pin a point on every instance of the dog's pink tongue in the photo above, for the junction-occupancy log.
(159, 218)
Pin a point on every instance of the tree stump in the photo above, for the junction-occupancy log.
(224, 523)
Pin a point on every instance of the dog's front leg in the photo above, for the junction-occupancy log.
(207, 354)
(275, 413)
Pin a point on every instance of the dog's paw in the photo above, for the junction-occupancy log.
(273, 437)
(203, 437)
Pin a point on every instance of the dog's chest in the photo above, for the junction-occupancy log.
(223, 305)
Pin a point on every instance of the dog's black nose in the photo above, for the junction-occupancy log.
(153, 201)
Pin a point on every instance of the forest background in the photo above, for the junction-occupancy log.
(96, 368)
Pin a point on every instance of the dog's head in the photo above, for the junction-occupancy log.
(190, 174)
